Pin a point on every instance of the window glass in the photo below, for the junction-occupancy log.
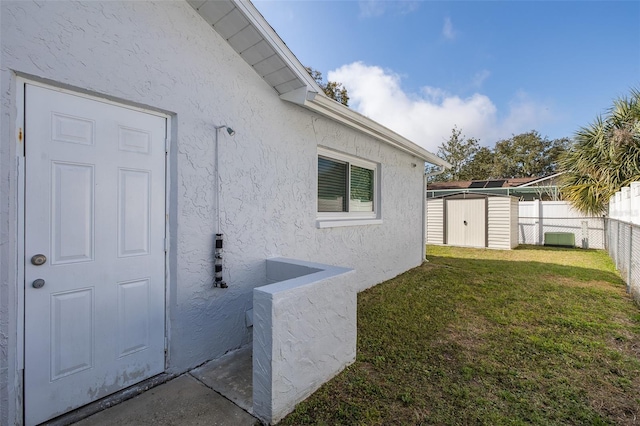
(332, 185)
(361, 196)
(348, 190)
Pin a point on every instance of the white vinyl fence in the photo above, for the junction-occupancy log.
(625, 204)
(535, 218)
(623, 236)
(538, 217)
(619, 233)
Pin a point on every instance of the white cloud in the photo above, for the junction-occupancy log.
(447, 29)
(479, 78)
(428, 117)
(371, 8)
(524, 113)
(375, 8)
(408, 6)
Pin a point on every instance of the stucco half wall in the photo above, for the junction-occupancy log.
(162, 56)
(304, 333)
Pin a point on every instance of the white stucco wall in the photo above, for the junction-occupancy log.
(163, 56)
(304, 334)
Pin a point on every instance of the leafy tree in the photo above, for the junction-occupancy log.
(458, 150)
(524, 155)
(604, 157)
(481, 165)
(335, 91)
(527, 155)
(554, 153)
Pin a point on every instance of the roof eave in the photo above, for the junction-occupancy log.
(269, 34)
(328, 107)
(533, 182)
(302, 90)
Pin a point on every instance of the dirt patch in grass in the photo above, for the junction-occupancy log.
(595, 284)
(469, 333)
(491, 337)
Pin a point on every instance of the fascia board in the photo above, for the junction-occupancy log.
(312, 97)
(540, 180)
(298, 96)
(338, 112)
(270, 36)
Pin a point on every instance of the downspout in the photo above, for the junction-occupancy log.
(424, 208)
(436, 173)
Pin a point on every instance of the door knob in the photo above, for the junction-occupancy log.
(39, 259)
(465, 222)
(39, 283)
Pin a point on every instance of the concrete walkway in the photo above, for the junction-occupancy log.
(192, 399)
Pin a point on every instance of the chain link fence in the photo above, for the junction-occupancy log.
(589, 232)
(620, 239)
(623, 245)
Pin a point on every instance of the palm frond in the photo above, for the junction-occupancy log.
(604, 157)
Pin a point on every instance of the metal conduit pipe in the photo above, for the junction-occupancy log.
(218, 281)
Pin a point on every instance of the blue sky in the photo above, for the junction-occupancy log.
(493, 68)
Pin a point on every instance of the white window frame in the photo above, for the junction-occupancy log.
(334, 219)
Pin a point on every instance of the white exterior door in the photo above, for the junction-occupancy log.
(95, 208)
(466, 222)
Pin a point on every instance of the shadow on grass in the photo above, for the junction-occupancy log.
(551, 248)
(534, 260)
(510, 269)
(489, 337)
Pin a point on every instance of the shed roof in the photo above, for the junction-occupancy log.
(489, 183)
(251, 36)
(472, 195)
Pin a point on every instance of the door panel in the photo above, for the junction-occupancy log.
(134, 201)
(95, 207)
(72, 201)
(476, 223)
(72, 326)
(455, 222)
(133, 311)
(466, 222)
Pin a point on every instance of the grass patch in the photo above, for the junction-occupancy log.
(528, 336)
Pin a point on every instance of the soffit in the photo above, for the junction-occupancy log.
(251, 42)
(251, 36)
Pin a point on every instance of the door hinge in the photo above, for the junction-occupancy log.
(167, 143)
(21, 141)
(166, 244)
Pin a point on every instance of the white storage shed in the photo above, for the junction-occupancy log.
(473, 220)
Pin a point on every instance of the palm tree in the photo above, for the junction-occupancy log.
(604, 157)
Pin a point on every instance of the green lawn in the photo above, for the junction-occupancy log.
(528, 336)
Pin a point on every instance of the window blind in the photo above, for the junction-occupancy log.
(332, 185)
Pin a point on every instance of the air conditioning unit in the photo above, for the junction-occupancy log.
(560, 239)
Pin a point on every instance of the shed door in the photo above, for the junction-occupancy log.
(95, 208)
(467, 222)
